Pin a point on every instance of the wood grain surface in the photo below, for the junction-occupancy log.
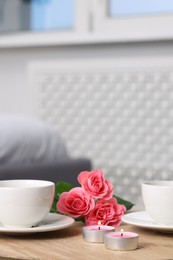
(68, 244)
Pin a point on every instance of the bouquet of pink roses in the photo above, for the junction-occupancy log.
(92, 202)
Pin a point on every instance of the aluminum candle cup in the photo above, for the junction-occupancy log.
(95, 233)
(125, 241)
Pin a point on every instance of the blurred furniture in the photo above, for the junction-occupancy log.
(66, 170)
(33, 149)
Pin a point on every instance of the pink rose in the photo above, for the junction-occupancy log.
(95, 184)
(76, 203)
(108, 212)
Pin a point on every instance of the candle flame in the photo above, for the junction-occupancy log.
(99, 224)
(122, 232)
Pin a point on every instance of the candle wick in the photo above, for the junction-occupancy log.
(121, 234)
(99, 228)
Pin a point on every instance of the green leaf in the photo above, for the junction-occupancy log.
(126, 203)
(60, 187)
(53, 209)
(80, 219)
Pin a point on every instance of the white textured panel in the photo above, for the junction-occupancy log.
(120, 114)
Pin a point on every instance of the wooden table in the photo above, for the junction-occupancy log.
(69, 244)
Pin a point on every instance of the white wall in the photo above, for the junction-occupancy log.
(15, 96)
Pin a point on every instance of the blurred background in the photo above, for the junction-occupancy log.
(101, 71)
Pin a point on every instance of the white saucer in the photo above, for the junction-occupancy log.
(142, 219)
(52, 222)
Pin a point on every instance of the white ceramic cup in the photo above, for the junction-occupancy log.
(24, 203)
(158, 201)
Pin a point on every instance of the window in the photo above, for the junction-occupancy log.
(51, 14)
(136, 7)
(133, 19)
(42, 15)
(120, 20)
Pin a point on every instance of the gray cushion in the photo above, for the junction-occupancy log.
(25, 140)
(66, 170)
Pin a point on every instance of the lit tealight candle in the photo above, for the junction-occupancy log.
(121, 240)
(96, 233)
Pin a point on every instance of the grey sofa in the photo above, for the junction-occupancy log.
(66, 170)
(33, 149)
